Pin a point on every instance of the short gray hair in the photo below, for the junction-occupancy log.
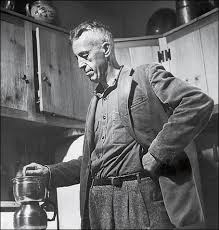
(92, 26)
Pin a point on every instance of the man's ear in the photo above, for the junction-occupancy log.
(107, 48)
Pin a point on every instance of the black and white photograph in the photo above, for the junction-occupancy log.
(109, 114)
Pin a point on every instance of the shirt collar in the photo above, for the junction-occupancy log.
(99, 91)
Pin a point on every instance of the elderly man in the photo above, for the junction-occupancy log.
(134, 172)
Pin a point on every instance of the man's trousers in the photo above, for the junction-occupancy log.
(133, 205)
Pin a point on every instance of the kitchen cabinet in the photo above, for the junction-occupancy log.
(63, 90)
(40, 78)
(186, 59)
(194, 52)
(13, 66)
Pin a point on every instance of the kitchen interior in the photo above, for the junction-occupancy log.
(44, 96)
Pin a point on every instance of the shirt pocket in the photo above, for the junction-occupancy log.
(119, 133)
(140, 113)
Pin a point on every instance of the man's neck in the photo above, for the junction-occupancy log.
(112, 73)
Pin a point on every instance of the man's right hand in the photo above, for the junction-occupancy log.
(35, 169)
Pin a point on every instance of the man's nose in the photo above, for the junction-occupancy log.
(81, 63)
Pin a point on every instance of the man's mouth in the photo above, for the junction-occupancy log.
(89, 73)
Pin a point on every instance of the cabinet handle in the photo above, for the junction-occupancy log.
(46, 79)
(168, 54)
(24, 77)
(160, 56)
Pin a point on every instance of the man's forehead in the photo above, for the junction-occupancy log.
(89, 38)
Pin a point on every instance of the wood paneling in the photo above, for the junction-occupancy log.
(123, 56)
(132, 53)
(13, 66)
(187, 61)
(143, 55)
(31, 106)
(209, 42)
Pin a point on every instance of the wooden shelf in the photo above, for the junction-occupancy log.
(31, 19)
(205, 18)
(9, 204)
(43, 119)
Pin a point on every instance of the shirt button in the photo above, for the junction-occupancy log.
(104, 117)
(102, 137)
(104, 98)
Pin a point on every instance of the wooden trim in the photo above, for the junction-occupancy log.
(136, 43)
(9, 204)
(14, 113)
(39, 72)
(192, 26)
(29, 67)
(11, 19)
(137, 38)
(43, 119)
(62, 121)
(211, 14)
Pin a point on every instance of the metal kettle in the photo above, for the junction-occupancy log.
(29, 191)
(30, 216)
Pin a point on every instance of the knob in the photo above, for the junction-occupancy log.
(24, 77)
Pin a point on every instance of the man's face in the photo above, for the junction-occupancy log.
(91, 56)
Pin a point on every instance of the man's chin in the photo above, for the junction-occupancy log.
(93, 79)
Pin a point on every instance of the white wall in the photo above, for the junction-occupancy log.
(68, 197)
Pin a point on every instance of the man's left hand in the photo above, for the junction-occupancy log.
(150, 164)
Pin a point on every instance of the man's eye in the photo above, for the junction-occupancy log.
(85, 56)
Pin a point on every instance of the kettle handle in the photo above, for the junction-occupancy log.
(46, 204)
(27, 7)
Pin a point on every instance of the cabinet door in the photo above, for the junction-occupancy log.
(63, 90)
(209, 41)
(186, 58)
(134, 52)
(13, 66)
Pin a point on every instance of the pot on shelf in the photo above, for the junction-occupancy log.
(42, 11)
(8, 4)
(186, 10)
